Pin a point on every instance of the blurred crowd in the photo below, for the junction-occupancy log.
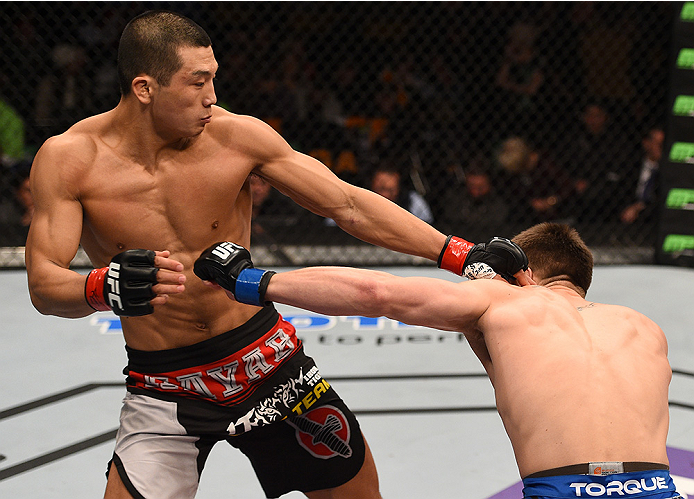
(480, 118)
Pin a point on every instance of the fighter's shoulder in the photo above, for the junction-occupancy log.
(532, 299)
(224, 121)
(499, 289)
(635, 316)
(640, 324)
(245, 132)
(77, 145)
(80, 140)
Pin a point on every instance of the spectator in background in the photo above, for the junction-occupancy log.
(274, 97)
(643, 205)
(537, 187)
(387, 181)
(17, 208)
(11, 134)
(600, 154)
(64, 96)
(272, 211)
(606, 47)
(100, 35)
(520, 78)
(298, 71)
(320, 133)
(474, 203)
(232, 96)
(23, 61)
(349, 82)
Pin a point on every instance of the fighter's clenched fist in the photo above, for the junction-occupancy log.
(230, 266)
(127, 285)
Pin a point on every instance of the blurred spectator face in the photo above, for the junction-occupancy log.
(478, 185)
(260, 190)
(521, 42)
(24, 197)
(513, 155)
(653, 144)
(69, 57)
(595, 118)
(387, 184)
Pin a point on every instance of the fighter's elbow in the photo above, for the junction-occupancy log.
(49, 306)
(375, 299)
(41, 305)
(40, 295)
(346, 217)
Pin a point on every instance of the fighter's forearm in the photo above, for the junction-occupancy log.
(344, 291)
(58, 291)
(331, 291)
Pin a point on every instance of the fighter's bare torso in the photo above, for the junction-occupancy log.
(573, 382)
(183, 200)
(554, 407)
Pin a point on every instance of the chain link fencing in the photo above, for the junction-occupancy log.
(494, 115)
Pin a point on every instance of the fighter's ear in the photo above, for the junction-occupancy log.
(142, 88)
(530, 281)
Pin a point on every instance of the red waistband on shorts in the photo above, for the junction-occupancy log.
(225, 369)
(199, 353)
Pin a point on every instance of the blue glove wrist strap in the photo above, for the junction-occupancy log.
(248, 286)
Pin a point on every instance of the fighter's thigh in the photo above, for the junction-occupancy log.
(154, 455)
(363, 486)
(115, 489)
(322, 449)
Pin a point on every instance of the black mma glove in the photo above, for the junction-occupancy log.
(230, 266)
(499, 255)
(125, 286)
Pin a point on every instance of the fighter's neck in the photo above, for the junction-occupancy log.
(567, 289)
(133, 128)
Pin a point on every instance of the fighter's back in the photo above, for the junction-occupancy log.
(577, 381)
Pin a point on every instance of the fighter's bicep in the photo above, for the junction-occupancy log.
(307, 181)
(442, 304)
(57, 221)
(54, 234)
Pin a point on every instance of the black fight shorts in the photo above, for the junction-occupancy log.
(253, 387)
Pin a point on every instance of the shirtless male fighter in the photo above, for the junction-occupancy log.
(145, 188)
(581, 387)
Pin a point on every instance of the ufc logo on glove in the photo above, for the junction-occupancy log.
(225, 250)
(113, 283)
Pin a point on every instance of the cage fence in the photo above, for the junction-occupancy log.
(492, 116)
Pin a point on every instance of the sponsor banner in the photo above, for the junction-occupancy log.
(324, 330)
(680, 199)
(672, 245)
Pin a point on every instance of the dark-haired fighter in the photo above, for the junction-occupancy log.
(581, 387)
(168, 170)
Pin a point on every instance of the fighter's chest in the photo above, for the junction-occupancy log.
(129, 201)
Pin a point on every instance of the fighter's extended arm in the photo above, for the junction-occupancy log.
(421, 301)
(347, 291)
(54, 238)
(360, 212)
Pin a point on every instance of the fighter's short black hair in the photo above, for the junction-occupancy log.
(149, 45)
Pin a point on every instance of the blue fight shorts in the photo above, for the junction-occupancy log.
(653, 484)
